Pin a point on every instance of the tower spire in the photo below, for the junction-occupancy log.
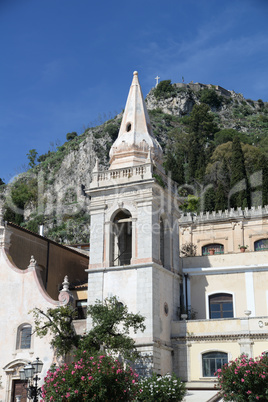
(135, 138)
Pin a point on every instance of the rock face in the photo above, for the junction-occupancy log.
(65, 202)
(179, 105)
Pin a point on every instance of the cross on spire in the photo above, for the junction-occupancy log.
(157, 79)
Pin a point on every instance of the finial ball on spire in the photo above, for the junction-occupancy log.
(135, 73)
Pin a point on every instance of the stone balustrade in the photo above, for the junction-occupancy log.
(224, 215)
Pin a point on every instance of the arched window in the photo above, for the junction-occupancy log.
(221, 305)
(217, 247)
(24, 336)
(122, 238)
(261, 244)
(212, 361)
(128, 128)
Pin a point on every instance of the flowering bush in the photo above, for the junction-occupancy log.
(91, 378)
(157, 389)
(244, 379)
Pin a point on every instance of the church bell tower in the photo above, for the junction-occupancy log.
(134, 242)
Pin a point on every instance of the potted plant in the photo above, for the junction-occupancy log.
(188, 250)
(211, 251)
(242, 248)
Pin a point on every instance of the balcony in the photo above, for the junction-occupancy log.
(234, 262)
(219, 327)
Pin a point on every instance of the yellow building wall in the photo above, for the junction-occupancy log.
(203, 286)
(198, 348)
(231, 232)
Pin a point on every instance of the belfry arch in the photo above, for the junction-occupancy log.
(121, 238)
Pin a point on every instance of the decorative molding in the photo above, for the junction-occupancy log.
(225, 270)
(220, 337)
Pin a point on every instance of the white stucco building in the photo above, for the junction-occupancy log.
(24, 286)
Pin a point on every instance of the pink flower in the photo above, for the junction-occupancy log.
(242, 380)
(83, 378)
(76, 392)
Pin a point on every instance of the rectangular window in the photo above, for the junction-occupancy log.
(213, 361)
(221, 306)
(24, 337)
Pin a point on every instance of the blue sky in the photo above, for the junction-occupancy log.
(68, 64)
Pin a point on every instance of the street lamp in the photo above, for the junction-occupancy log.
(30, 373)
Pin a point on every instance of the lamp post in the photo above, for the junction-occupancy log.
(30, 373)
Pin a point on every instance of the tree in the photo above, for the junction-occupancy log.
(1, 182)
(112, 129)
(201, 123)
(221, 201)
(224, 151)
(211, 98)
(32, 156)
(210, 200)
(263, 167)
(59, 323)
(111, 327)
(201, 134)
(71, 136)
(191, 204)
(228, 134)
(174, 165)
(239, 194)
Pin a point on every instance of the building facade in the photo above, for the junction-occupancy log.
(25, 285)
(225, 291)
(201, 311)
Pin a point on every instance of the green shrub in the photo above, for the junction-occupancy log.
(34, 223)
(244, 379)
(251, 102)
(159, 180)
(71, 136)
(210, 97)
(112, 130)
(162, 389)
(164, 90)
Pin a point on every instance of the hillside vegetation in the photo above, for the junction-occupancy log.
(215, 145)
